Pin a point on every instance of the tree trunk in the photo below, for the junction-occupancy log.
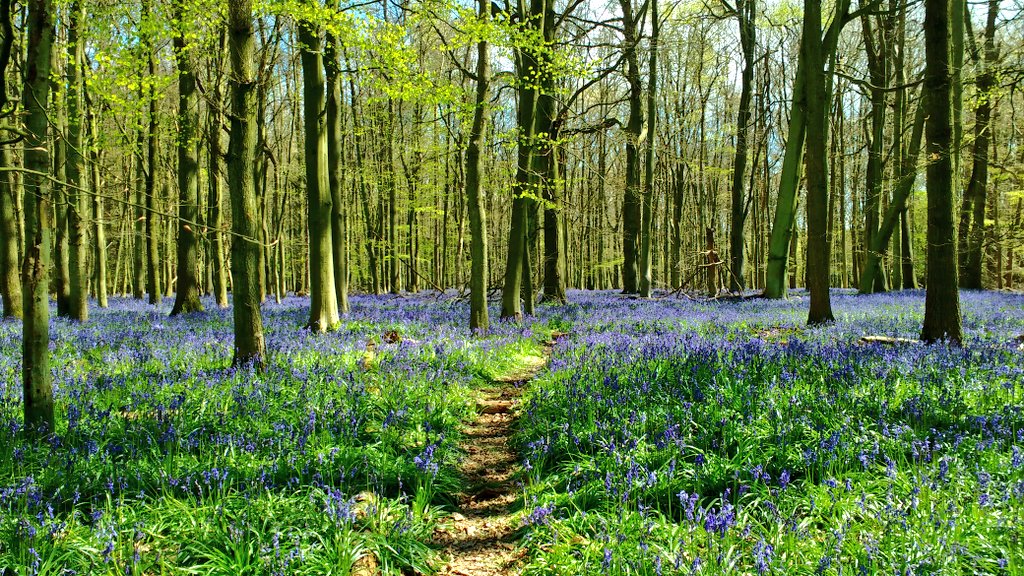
(339, 232)
(517, 256)
(942, 300)
(647, 216)
(879, 243)
(99, 220)
(10, 285)
(35, 368)
(817, 101)
(876, 58)
(323, 306)
(746, 13)
(478, 319)
(187, 291)
(972, 217)
(152, 221)
(215, 219)
(62, 261)
(632, 202)
(78, 278)
(546, 166)
(789, 182)
(250, 347)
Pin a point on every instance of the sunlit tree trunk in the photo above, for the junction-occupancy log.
(99, 221)
(339, 232)
(78, 277)
(250, 347)
(38, 203)
(215, 169)
(187, 291)
(323, 306)
(647, 212)
(478, 317)
(10, 284)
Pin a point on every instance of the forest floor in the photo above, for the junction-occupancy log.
(480, 538)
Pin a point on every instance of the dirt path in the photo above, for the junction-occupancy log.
(480, 538)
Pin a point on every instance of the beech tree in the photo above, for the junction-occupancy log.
(323, 305)
(187, 288)
(38, 202)
(478, 318)
(942, 298)
(250, 346)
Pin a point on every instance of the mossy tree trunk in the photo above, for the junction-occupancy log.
(186, 298)
(250, 346)
(38, 203)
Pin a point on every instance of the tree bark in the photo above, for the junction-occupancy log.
(35, 369)
(323, 306)
(647, 216)
(152, 221)
(817, 102)
(187, 291)
(78, 278)
(339, 231)
(632, 202)
(942, 300)
(478, 317)
(10, 284)
(746, 13)
(250, 347)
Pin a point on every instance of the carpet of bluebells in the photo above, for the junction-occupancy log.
(726, 438)
(667, 437)
(166, 461)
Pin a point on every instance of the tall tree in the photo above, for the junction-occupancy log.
(746, 14)
(339, 227)
(250, 346)
(942, 299)
(38, 202)
(647, 212)
(99, 224)
(546, 170)
(478, 319)
(896, 212)
(152, 159)
(817, 102)
(323, 305)
(789, 179)
(215, 167)
(876, 51)
(78, 208)
(186, 298)
(972, 211)
(10, 283)
(632, 202)
(517, 268)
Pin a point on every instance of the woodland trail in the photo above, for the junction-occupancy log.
(480, 538)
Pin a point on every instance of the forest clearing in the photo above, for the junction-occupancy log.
(531, 287)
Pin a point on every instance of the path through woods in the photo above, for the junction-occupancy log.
(480, 539)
